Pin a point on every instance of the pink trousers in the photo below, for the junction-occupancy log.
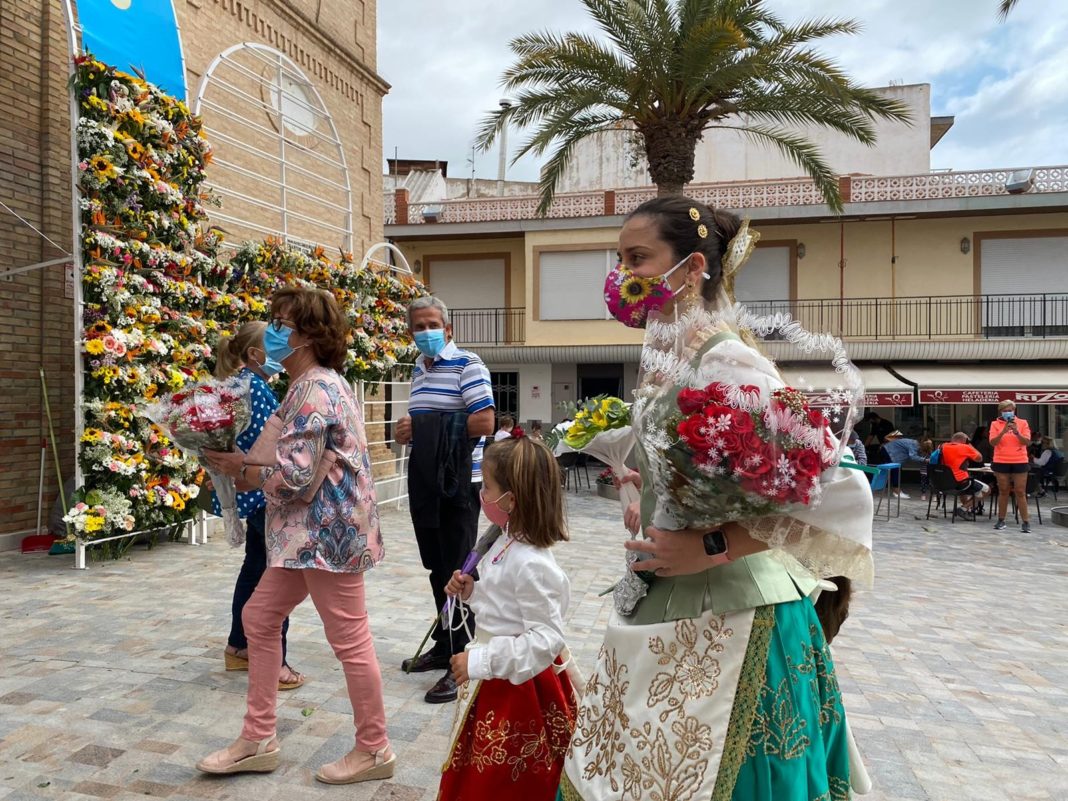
(339, 600)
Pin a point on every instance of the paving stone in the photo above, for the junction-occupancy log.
(954, 668)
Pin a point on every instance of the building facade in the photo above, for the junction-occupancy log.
(292, 102)
(950, 290)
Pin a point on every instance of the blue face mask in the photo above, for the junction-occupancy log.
(269, 367)
(276, 343)
(430, 343)
(1008, 415)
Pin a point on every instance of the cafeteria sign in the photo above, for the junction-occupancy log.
(871, 399)
(991, 396)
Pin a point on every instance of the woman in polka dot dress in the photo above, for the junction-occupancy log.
(244, 353)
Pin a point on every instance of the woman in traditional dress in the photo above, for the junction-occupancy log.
(715, 680)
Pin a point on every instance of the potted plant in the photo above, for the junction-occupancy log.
(606, 486)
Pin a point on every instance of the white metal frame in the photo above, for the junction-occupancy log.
(395, 494)
(283, 66)
(368, 259)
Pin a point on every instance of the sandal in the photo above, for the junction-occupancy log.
(236, 659)
(381, 767)
(263, 761)
(292, 681)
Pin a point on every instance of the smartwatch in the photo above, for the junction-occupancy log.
(716, 544)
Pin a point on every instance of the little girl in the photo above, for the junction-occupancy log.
(516, 707)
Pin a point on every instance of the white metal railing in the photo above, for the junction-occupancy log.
(196, 530)
(390, 472)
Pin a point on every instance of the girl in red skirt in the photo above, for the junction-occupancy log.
(517, 700)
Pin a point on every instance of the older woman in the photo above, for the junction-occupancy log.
(322, 535)
(718, 683)
(1010, 435)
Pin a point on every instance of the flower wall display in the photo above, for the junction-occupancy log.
(157, 297)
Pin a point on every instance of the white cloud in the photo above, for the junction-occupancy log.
(1006, 83)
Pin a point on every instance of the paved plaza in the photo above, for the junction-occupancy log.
(955, 668)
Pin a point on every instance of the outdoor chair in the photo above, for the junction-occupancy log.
(568, 463)
(883, 482)
(1051, 482)
(943, 483)
(583, 464)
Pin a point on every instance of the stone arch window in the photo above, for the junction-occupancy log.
(279, 166)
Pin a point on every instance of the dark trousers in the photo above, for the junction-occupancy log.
(252, 569)
(443, 550)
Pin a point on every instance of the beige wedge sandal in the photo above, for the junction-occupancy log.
(263, 761)
(340, 773)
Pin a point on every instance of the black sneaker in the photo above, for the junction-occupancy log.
(999, 526)
(1026, 527)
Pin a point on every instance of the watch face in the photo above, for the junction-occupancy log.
(715, 543)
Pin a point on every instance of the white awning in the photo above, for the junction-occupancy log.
(881, 389)
(989, 383)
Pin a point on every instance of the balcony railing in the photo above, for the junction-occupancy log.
(488, 326)
(741, 195)
(974, 316)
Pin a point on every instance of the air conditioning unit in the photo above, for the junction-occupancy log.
(1020, 181)
(431, 214)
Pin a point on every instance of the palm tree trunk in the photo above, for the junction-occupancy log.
(669, 149)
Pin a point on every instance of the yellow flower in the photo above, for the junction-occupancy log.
(599, 419)
(95, 102)
(94, 347)
(633, 290)
(93, 523)
(150, 391)
(92, 435)
(102, 167)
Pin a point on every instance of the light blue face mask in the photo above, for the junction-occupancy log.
(276, 343)
(1008, 415)
(431, 342)
(269, 367)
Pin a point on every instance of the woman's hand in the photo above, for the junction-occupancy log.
(225, 462)
(458, 664)
(674, 553)
(632, 477)
(460, 584)
(632, 517)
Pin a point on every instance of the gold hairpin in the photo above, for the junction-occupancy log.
(702, 231)
(695, 215)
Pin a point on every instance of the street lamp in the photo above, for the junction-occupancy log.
(502, 163)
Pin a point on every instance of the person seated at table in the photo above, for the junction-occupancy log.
(506, 427)
(1048, 461)
(981, 442)
(899, 449)
(956, 454)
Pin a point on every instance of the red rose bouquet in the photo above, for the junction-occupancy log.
(209, 415)
(749, 456)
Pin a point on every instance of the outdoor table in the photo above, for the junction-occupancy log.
(880, 482)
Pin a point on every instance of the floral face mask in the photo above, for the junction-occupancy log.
(631, 298)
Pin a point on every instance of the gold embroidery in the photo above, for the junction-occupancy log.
(465, 699)
(599, 729)
(567, 789)
(536, 748)
(822, 680)
(747, 696)
(781, 731)
(695, 674)
(839, 791)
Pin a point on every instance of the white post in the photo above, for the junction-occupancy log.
(502, 159)
(79, 555)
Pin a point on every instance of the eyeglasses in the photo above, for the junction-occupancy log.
(278, 323)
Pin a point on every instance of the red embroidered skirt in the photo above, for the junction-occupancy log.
(510, 738)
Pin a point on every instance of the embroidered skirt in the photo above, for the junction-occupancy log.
(743, 705)
(510, 739)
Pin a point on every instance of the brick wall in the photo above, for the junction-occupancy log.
(36, 324)
(334, 44)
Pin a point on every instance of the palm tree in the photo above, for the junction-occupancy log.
(1006, 7)
(671, 69)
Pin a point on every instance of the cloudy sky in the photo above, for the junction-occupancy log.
(1006, 83)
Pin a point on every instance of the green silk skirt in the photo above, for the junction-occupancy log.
(786, 740)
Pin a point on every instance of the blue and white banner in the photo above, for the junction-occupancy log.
(135, 36)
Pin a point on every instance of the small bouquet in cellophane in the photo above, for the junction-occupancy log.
(209, 415)
(602, 429)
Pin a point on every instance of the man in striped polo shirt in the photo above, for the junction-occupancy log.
(446, 380)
